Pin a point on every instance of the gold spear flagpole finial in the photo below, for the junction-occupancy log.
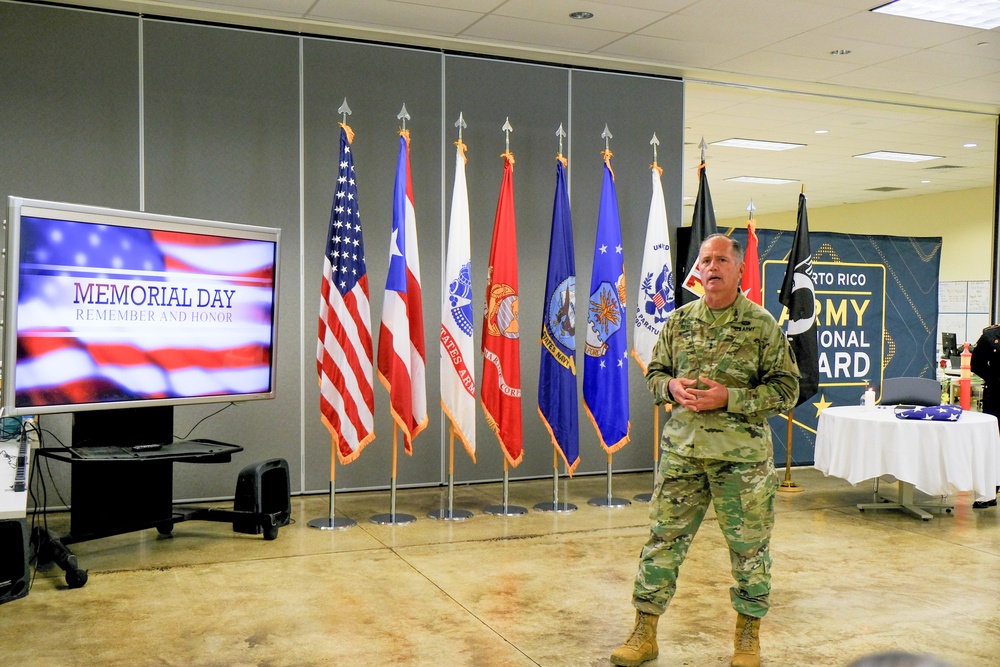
(403, 115)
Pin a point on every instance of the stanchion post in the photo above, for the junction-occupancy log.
(648, 497)
(332, 522)
(392, 518)
(555, 505)
(787, 485)
(505, 509)
(609, 500)
(451, 514)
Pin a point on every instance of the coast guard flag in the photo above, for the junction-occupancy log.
(557, 371)
(798, 294)
(702, 225)
(401, 336)
(458, 377)
(751, 259)
(501, 386)
(656, 282)
(344, 345)
(605, 365)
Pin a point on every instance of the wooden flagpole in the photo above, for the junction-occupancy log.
(787, 485)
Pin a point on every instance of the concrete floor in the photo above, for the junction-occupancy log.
(539, 589)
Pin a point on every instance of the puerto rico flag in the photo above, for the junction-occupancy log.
(401, 359)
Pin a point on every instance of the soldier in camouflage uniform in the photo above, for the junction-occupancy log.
(725, 366)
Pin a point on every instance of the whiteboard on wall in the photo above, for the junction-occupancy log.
(963, 309)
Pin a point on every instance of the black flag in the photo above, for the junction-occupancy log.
(798, 294)
(702, 225)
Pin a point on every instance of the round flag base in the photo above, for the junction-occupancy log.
(558, 508)
(608, 501)
(332, 523)
(505, 510)
(643, 498)
(450, 515)
(393, 519)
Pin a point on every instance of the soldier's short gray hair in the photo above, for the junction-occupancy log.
(735, 245)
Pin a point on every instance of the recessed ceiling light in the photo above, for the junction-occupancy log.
(581, 16)
(969, 145)
(925, 181)
(898, 157)
(984, 14)
(761, 179)
(840, 52)
(758, 145)
(822, 131)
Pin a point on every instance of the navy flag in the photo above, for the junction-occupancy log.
(798, 294)
(557, 402)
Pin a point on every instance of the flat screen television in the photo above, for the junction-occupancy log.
(107, 308)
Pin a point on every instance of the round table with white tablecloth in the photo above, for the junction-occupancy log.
(936, 457)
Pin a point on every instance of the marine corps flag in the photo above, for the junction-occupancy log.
(656, 282)
(458, 376)
(751, 260)
(605, 365)
(557, 402)
(702, 226)
(401, 366)
(501, 385)
(798, 294)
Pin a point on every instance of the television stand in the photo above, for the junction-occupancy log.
(117, 490)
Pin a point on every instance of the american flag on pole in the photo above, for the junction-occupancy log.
(605, 366)
(557, 402)
(401, 365)
(656, 281)
(501, 387)
(458, 375)
(344, 342)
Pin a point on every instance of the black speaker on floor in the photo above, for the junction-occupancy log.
(13, 559)
(263, 488)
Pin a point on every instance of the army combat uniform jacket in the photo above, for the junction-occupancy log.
(746, 351)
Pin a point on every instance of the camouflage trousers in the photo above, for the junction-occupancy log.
(743, 496)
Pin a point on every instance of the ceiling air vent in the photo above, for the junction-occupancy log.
(885, 188)
(946, 166)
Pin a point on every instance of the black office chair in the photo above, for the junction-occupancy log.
(908, 391)
(911, 391)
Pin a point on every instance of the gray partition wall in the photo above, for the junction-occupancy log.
(241, 125)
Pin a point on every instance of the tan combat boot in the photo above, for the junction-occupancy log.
(747, 642)
(641, 646)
